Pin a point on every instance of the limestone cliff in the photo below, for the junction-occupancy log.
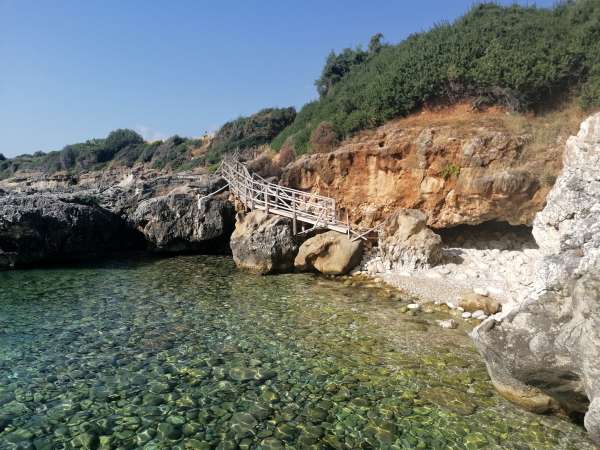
(545, 354)
(457, 167)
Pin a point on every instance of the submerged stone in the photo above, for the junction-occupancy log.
(451, 399)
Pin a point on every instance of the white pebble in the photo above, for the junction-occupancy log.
(478, 314)
(481, 291)
(414, 306)
(449, 324)
(466, 315)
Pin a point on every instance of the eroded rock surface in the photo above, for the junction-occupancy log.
(331, 253)
(406, 243)
(41, 227)
(263, 243)
(56, 218)
(466, 171)
(181, 222)
(545, 354)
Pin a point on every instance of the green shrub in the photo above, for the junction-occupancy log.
(251, 131)
(450, 170)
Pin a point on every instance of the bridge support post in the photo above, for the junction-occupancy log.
(294, 218)
(266, 200)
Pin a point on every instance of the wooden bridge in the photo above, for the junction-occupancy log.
(302, 207)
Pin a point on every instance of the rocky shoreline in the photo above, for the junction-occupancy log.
(163, 215)
(536, 297)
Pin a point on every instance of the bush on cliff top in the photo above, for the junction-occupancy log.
(251, 131)
(126, 147)
(123, 147)
(511, 56)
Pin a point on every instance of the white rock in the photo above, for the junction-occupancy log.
(414, 306)
(466, 315)
(451, 305)
(460, 308)
(481, 291)
(478, 314)
(449, 324)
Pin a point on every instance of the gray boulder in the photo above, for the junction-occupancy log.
(406, 243)
(182, 221)
(545, 354)
(43, 227)
(263, 243)
(330, 253)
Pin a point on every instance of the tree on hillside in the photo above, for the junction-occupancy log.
(2, 157)
(337, 66)
(122, 137)
(375, 43)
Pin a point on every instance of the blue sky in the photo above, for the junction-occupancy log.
(73, 70)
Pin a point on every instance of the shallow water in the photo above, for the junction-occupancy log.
(188, 352)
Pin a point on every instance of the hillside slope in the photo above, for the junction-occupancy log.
(516, 57)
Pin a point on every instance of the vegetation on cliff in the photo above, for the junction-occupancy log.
(251, 131)
(515, 56)
(121, 147)
(126, 147)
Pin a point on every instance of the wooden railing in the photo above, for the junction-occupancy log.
(302, 207)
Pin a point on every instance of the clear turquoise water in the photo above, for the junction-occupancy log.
(188, 352)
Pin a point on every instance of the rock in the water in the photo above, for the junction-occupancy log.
(474, 302)
(7, 259)
(181, 222)
(449, 324)
(545, 354)
(263, 243)
(44, 227)
(331, 253)
(405, 242)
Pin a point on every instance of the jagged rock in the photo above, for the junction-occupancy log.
(405, 242)
(42, 227)
(263, 243)
(472, 302)
(181, 222)
(7, 259)
(331, 253)
(545, 354)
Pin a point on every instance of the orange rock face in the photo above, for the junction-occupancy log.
(465, 168)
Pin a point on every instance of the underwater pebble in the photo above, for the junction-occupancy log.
(149, 357)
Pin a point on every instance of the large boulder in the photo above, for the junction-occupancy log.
(331, 253)
(545, 353)
(182, 221)
(263, 243)
(42, 227)
(406, 243)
